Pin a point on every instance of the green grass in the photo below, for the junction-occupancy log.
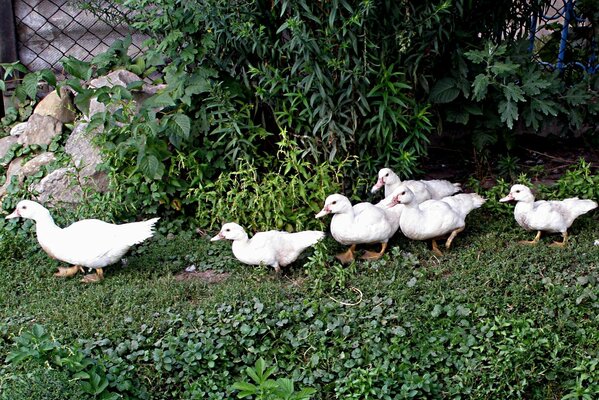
(490, 319)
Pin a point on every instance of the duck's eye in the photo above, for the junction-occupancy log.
(387, 174)
(24, 207)
(228, 230)
(335, 202)
(403, 193)
(517, 191)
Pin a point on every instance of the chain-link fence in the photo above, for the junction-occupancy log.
(563, 37)
(48, 30)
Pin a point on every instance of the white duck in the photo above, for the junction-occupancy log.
(433, 219)
(360, 224)
(274, 248)
(549, 216)
(88, 243)
(423, 190)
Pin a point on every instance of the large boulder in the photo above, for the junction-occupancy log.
(57, 106)
(40, 129)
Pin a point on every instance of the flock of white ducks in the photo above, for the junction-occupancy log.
(422, 210)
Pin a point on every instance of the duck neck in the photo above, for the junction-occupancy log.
(46, 230)
(240, 247)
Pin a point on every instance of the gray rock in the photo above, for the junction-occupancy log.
(22, 170)
(60, 107)
(32, 166)
(40, 129)
(18, 129)
(121, 77)
(14, 169)
(85, 154)
(60, 186)
(5, 144)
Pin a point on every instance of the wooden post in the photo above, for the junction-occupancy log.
(8, 41)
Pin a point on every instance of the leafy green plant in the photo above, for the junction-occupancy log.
(282, 194)
(265, 388)
(38, 348)
(498, 90)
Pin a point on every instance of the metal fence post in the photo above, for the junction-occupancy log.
(8, 41)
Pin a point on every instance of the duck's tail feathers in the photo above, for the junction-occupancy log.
(306, 238)
(463, 203)
(137, 232)
(579, 206)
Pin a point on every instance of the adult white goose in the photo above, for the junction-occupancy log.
(423, 190)
(360, 224)
(433, 219)
(274, 248)
(548, 216)
(88, 243)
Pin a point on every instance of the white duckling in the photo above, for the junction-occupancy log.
(89, 243)
(549, 216)
(433, 219)
(274, 248)
(423, 190)
(360, 224)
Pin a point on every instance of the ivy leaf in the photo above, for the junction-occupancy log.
(480, 85)
(508, 112)
(513, 92)
(444, 91)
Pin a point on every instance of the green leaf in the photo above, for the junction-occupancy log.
(546, 106)
(82, 100)
(77, 68)
(508, 112)
(2, 86)
(444, 91)
(513, 92)
(479, 86)
(159, 100)
(29, 84)
(151, 167)
(473, 109)
(501, 68)
(183, 123)
(48, 76)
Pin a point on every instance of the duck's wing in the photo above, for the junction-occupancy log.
(93, 242)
